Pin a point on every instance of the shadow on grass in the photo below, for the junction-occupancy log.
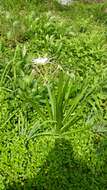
(61, 171)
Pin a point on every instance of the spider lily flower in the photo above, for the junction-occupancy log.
(40, 61)
(65, 2)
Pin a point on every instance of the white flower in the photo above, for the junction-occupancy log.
(40, 60)
(65, 2)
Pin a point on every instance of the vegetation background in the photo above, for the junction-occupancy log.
(53, 117)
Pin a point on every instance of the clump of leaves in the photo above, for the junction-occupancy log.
(63, 106)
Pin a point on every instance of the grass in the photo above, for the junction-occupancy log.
(53, 118)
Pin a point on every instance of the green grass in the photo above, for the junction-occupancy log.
(53, 118)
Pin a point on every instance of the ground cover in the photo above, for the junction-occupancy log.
(53, 116)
